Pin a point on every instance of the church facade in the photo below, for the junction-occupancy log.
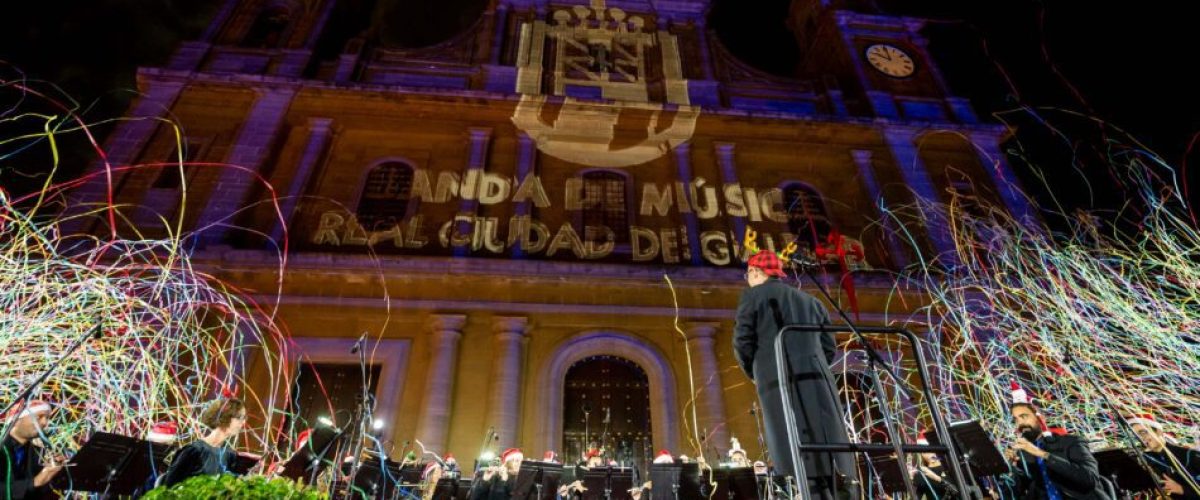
(538, 221)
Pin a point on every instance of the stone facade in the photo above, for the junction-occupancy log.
(481, 311)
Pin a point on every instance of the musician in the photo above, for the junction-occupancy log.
(929, 478)
(765, 306)
(25, 473)
(737, 456)
(571, 479)
(499, 482)
(209, 455)
(1051, 465)
(1179, 466)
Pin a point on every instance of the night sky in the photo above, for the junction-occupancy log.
(1128, 64)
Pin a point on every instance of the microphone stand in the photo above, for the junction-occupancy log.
(762, 445)
(1126, 430)
(875, 363)
(22, 398)
(362, 413)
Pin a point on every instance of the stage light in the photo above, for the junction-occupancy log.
(323, 420)
(487, 456)
(377, 424)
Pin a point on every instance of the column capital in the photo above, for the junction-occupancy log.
(862, 156)
(262, 91)
(900, 135)
(446, 323)
(701, 330)
(480, 133)
(510, 325)
(723, 149)
(320, 124)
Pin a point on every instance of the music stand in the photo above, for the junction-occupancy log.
(534, 475)
(889, 470)
(375, 479)
(606, 483)
(674, 480)
(112, 464)
(243, 462)
(447, 487)
(310, 459)
(741, 483)
(410, 475)
(981, 457)
(1120, 465)
(464, 488)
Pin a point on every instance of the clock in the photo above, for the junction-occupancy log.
(889, 60)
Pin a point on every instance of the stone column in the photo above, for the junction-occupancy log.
(504, 401)
(711, 397)
(724, 152)
(246, 157)
(916, 175)
(477, 149)
(124, 146)
(319, 136)
(862, 159)
(683, 161)
(995, 162)
(445, 331)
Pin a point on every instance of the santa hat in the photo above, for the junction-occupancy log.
(302, 438)
(33, 407)
(449, 459)
(664, 457)
(736, 447)
(549, 456)
(429, 468)
(163, 432)
(592, 452)
(1019, 396)
(921, 439)
(511, 454)
(1145, 419)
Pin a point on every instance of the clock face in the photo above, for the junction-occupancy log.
(890, 60)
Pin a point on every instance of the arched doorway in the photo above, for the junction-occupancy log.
(606, 400)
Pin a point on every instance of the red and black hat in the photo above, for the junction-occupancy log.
(770, 263)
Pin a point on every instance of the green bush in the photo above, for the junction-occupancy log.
(227, 486)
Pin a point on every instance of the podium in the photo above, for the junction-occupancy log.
(112, 464)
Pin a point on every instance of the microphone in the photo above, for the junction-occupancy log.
(587, 408)
(359, 343)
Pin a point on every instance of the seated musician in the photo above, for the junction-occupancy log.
(1179, 467)
(209, 455)
(25, 472)
(929, 478)
(499, 482)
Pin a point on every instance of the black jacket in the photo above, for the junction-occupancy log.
(1071, 467)
(763, 309)
(196, 459)
(21, 463)
(1188, 459)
